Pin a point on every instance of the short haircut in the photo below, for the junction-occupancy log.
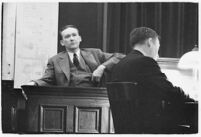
(68, 26)
(139, 35)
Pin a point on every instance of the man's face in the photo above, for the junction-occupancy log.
(155, 45)
(70, 39)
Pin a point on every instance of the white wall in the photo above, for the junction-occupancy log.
(9, 18)
(29, 39)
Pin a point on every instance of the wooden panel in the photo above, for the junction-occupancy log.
(70, 119)
(13, 119)
(87, 119)
(111, 128)
(52, 118)
(9, 109)
(104, 119)
(81, 110)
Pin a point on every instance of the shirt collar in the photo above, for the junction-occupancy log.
(71, 54)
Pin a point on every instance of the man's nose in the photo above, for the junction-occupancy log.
(71, 38)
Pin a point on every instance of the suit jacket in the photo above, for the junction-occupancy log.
(58, 68)
(136, 67)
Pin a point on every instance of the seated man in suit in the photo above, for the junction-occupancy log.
(140, 66)
(76, 67)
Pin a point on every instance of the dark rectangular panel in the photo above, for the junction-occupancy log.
(87, 119)
(52, 118)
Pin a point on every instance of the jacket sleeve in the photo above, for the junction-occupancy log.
(48, 77)
(159, 81)
(110, 59)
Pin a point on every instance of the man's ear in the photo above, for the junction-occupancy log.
(149, 42)
(61, 42)
(80, 38)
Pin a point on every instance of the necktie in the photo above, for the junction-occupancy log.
(75, 60)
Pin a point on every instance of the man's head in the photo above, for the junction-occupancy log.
(70, 38)
(145, 40)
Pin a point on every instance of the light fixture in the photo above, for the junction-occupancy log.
(190, 61)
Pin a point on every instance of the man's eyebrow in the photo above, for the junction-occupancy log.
(66, 35)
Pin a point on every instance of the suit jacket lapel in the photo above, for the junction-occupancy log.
(64, 64)
(89, 59)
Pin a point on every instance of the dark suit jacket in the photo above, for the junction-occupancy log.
(58, 68)
(136, 67)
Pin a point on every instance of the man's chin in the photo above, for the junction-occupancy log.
(72, 49)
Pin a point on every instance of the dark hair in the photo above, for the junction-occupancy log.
(138, 35)
(68, 26)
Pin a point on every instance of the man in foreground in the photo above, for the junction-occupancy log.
(140, 66)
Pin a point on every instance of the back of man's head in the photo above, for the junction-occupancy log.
(139, 35)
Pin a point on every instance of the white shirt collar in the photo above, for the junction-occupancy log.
(71, 55)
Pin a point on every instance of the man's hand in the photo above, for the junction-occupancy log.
(97, 74)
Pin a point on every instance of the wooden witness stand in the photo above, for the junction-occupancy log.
(67, 110)
(84, 110)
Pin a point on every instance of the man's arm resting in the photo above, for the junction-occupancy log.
(111, 59)
(48, 77)
(97, 74)
(32, 83)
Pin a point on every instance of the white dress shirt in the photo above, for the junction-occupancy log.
(71, 55)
